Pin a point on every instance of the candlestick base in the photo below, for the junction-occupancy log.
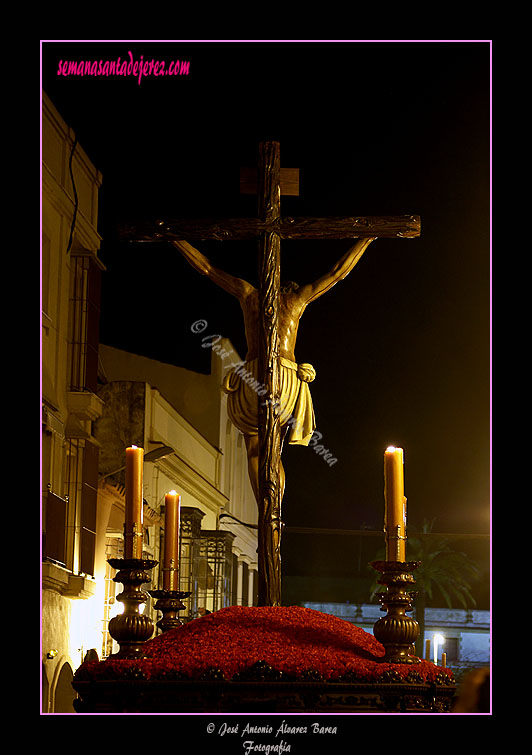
(169, 602)
(131, 629)
(396, 631)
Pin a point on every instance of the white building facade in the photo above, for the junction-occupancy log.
(464, 636)
(95, 402)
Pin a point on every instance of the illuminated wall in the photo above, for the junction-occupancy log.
(70, 295)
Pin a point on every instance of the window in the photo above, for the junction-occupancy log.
(451, 647)
(54, 540)
(245, 584)
(45, 274)
(114, 548)
(205, 567)
(85, 291)
(81, 485)
(88, 509)
(215, 569)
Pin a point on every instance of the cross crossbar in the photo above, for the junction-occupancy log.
(242, 229)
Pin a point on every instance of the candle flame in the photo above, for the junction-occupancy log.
(395, 449)
(173, 492)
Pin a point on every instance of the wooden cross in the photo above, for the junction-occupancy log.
(269, 227)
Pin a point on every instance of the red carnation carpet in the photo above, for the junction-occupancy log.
(293, 640)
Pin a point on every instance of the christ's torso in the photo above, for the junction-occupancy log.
(290, 312)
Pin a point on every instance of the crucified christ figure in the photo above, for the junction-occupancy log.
(296, 413)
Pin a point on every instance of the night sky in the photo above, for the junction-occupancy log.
(402, 346)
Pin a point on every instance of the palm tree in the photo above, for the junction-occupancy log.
(442, 570)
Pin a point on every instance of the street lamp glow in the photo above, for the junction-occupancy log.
(438, 639)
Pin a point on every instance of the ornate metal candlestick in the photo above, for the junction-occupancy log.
(169, 602)
(396, 631)
(131, 629)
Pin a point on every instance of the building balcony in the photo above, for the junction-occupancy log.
(63, 581)
(85, 405)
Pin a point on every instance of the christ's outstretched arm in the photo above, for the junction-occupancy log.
(235, 286)
(343, 267)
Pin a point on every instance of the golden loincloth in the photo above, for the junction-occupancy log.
(245, 390)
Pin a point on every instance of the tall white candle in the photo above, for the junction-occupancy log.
(395, 504)
(133, 525)
(171, 540)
